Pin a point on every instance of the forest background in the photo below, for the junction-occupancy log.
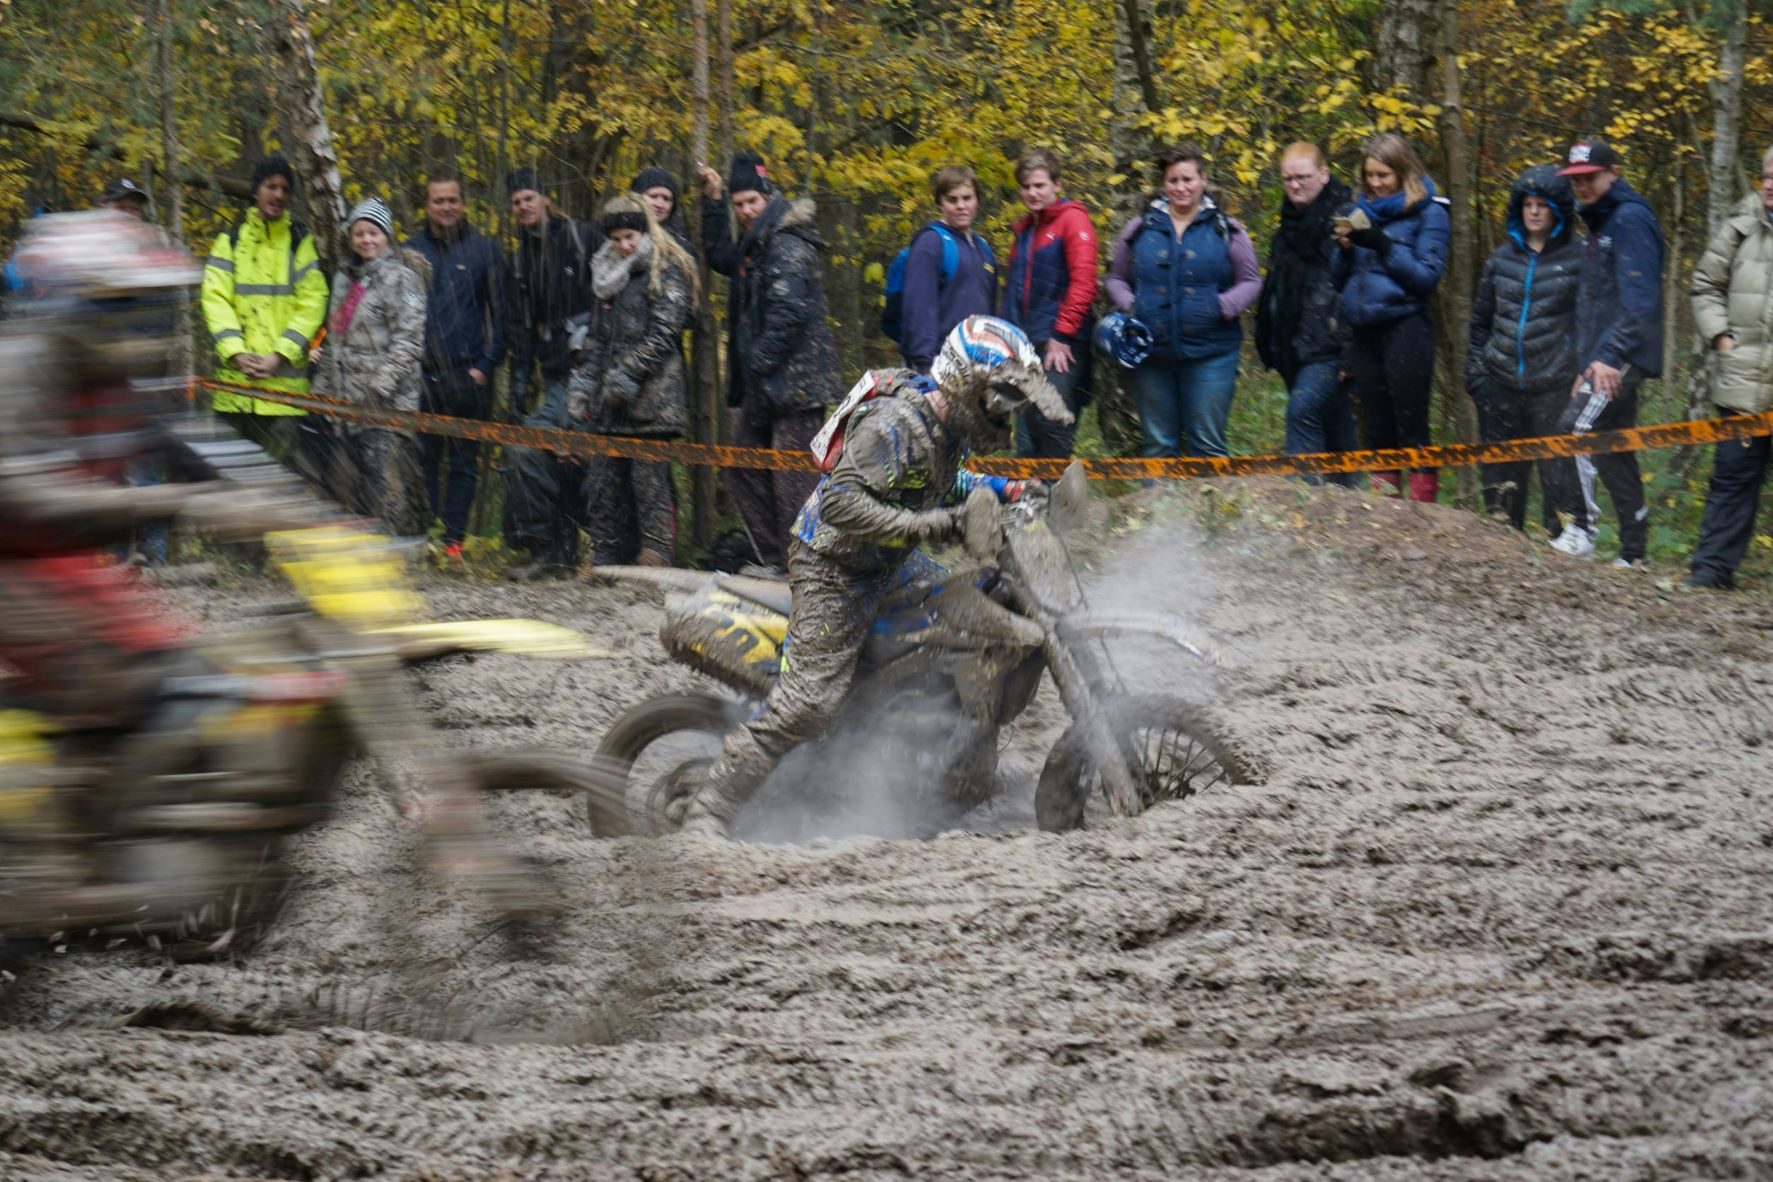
(856, 104)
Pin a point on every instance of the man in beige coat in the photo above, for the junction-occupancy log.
(1733, 308)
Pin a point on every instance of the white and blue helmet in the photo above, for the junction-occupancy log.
(987, 369)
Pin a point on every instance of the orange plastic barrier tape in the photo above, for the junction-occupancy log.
(582, 445)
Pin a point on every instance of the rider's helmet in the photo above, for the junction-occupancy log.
(1122, 339)
(987, 370)
(106, 287)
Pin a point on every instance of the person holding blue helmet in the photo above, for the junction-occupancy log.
(892, 456)
(1186, 271)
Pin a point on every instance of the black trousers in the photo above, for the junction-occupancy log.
(1619, 471)
(768, 502)
(1738, 471)
(544, 494)
(1391, 365)
(1509, 414)
(452, 466)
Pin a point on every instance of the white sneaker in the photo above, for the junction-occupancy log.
(1629, 564)
(1575, 541)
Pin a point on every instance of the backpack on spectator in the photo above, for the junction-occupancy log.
(892, 317)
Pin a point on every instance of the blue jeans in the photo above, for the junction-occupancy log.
(1185, 399)
(1319, 417)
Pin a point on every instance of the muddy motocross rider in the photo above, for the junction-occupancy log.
(80, 642)
(902, 437)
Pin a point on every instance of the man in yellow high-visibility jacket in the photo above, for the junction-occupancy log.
(264, 300)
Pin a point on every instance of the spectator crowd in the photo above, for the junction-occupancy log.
(591, 316)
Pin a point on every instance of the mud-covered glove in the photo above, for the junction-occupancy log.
(578, 340)
(1371, 237)
(578, 404)
(935, 525)
(620, 390)
(980, 527)
(517, 399)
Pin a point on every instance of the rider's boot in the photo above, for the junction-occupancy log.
(740, 771)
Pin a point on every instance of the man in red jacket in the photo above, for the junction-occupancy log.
(1049, 295)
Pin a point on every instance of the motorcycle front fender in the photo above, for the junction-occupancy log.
(1167, 628)
(416, 643)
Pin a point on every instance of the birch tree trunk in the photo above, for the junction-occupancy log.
(1404, 46)
(171, 192)
(705, 396)
(1726, 126)
(1458, 415)
(298, 96)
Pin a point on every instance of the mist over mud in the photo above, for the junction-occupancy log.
(1499, 909)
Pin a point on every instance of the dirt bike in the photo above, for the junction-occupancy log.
(176, 829)
(949, 662)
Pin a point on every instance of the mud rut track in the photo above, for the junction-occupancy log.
(1501, 909)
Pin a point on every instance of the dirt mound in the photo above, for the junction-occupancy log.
(1498, 910)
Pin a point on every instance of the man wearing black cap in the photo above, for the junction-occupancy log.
(549, 300)
(125, 196)
(1618, 335)
(264, 298)
(782, 367)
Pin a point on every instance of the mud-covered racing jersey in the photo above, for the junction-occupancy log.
(899, 466)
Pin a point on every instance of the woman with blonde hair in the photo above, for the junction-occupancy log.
(1393, 248)
(630, 380)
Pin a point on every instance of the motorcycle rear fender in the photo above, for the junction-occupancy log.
(1140, 624)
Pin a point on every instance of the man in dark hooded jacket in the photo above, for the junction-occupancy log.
(1522, 351)
(1618, 331)
(894, 452)
(781, 357)
(549, 304)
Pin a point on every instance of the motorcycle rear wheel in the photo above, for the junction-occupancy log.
(657, 782)
(1175, 751)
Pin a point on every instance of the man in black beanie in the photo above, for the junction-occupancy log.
(782, 367)
(549, 300)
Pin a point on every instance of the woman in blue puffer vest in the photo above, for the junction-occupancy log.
(1187, 272)
(1387, 271)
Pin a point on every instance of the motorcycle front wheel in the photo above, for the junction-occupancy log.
(1173, 750)
(657, 753)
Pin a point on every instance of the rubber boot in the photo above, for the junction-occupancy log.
(736, 776)
(1425, 486)
(1386, 483)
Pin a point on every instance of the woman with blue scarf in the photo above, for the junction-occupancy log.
(1393, 250)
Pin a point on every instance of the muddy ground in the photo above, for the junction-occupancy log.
(1502, 908)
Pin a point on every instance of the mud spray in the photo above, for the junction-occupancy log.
(1497, 911)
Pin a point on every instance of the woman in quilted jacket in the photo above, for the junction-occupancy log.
(631, 381)
(375, 337)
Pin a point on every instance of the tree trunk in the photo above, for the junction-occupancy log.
(1404, 44)
(1726, 126)
(171, 193)
(304, 115)
(1134, 92)
(1457, 412)
(705, 394)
